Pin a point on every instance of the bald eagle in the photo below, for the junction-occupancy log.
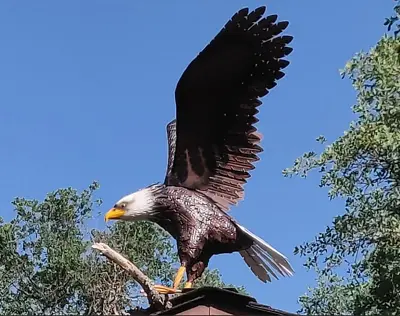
(212, 146)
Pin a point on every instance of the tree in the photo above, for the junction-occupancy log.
(363, 168)
(394, 19)
(48, 267)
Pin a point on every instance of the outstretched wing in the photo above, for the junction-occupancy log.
(216, 103)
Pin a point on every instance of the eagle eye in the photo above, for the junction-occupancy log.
(122, 205)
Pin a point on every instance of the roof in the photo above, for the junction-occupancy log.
(227, 300)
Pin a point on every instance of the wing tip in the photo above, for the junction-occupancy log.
(260, 10)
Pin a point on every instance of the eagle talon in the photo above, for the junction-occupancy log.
(166, 290)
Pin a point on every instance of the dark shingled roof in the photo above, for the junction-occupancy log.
(226, 299)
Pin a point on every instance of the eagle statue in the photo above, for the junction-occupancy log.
(212, 146)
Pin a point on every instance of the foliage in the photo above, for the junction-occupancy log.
(363, 168)
(394, 19)
(48, 267)
(214, 278)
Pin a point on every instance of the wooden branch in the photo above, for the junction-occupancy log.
(155, 300)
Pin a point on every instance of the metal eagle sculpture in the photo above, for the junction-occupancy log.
(212, 146)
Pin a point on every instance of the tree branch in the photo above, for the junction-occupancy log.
(155, 300)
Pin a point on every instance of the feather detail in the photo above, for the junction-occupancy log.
(262, 258)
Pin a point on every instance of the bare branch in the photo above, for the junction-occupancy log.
(155, 300)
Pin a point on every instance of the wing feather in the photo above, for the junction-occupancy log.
(215, 143)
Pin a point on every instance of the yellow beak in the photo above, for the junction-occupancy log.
(114, 213)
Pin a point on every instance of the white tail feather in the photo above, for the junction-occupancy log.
(261, 257)
(255, 264)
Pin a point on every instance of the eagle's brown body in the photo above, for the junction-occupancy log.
(200, 228)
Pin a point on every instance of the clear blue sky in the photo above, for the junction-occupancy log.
(87, 87)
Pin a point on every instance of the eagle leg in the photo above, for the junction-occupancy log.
(168, 290)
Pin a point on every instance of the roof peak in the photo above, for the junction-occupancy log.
(227, 299)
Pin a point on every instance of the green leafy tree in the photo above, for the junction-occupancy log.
(214, 278)
(363, 168)
(393, 21)
(48, 267)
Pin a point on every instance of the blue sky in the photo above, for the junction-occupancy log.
(86, 89)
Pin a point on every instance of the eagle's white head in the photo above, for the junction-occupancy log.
(139, 205)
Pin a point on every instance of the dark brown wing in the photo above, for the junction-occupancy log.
(216, 102)
(171, 138)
